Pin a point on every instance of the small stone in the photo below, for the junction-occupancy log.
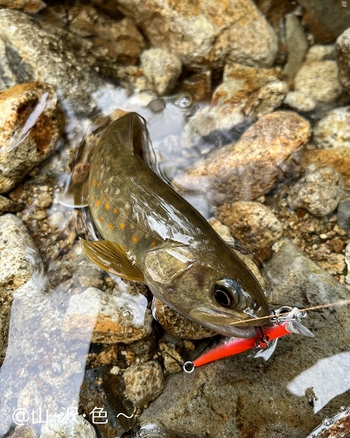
(177, 324)
(19, 260)
(319, 80)
(338, 159)
(343, 214)
(299, 101)
(63, 425)
(319, 191)
(254, 165)
(57, 220)
(44, 200)
(222, 230)
(143, 383)
(334, 265)
(171, 359)
(24, 432)
(109, 318)
(251, 223)
(342, 50)
(9, 206)
(333, 130)
(31, 123)
(161, 69)
(245, 94)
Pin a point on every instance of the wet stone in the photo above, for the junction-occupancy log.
(319, 191)
(74, 426)
(318, 83)
(31, 124)
(34, 54)
(333, 130)
(251, 223)
(246, 93)
(24, 432)
(343, 214)
(338, 159)
(204, 34)
(122, 318)
(19, 259)
(263, 156)
(143, 383)
(161, 69)
(177, 324)
(326, 20)
(9, 206)
(342, 49)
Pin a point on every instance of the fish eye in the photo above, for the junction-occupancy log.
(227, 292)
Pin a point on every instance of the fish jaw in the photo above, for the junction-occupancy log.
(175, 277)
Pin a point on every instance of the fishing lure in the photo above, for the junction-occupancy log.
(286, 321)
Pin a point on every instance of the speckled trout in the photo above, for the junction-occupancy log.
(152, 235)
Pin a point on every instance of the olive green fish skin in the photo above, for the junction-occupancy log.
(180, 255)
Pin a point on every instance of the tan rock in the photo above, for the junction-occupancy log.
(251, 167)
(31, 123)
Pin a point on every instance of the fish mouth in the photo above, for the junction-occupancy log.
(243, 326)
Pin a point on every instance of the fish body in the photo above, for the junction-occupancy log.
(152, 235)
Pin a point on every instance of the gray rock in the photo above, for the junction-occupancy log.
(251, 223)
(32, 53)
(161, 69)
(342, 50)
(333, 130)
(63, 426)
(8, 206)
(319, 191)
(143, 383)
(343, 214)
(30, 129)
(296, 43)
(250, 398)
(19, 259)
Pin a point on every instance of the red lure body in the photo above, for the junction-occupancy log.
(238, 345)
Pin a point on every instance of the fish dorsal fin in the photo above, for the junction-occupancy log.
(112, 258)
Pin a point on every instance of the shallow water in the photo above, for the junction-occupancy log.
(44, 367)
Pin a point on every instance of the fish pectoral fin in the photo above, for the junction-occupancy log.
(112, 258)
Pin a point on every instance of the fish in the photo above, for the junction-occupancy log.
(150, 234)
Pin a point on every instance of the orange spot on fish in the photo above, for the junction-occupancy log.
(122, 226)
(135, 239)
(115, 211)
(98, 202)
(100, 219)
(107, 206)
(111, 226)
(98, 185)
(153, 244)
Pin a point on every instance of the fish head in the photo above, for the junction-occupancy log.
(203, 291)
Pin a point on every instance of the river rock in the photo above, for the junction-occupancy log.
(143, 383)
(205, 34)
(161, 69)
(268, 398)
(246, 93)
(30, 6)
(319, 191)
(317, 82)
(296, 43)
(31, 123)
(333, 130)
(24, 432)
(119, 40)
(177, 324)
(19, 259)
(122, 318)
(251, 167)
(251, 223)
(342, 50)
(9, 206)
(33, 53)
(326, 20)
(338, 159)
(66, 425)
(334, 427)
